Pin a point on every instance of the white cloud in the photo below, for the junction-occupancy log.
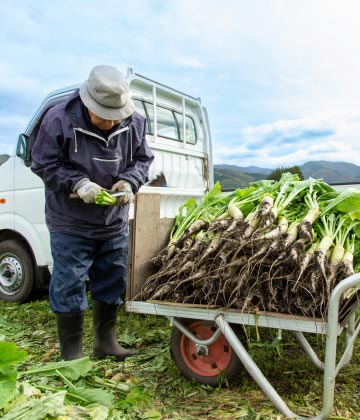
(271, 72)
(191, 62)
(294, 142)
(13, 120)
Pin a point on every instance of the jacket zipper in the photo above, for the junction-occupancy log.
(90, 133)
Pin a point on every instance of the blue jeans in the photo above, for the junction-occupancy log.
(77, 259)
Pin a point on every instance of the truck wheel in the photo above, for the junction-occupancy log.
(217, 365)
(17, 274)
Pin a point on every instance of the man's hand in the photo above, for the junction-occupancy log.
(87, 190)
(124, 186)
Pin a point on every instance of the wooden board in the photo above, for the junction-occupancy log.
(148, 235)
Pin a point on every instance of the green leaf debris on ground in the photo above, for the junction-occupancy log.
(72, 369)
(10, 356)
(35, 384)
(50, 405)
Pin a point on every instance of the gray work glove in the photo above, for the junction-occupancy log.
(87, 190)
(123, 186)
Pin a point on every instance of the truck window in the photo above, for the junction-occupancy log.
(140, 108)
(189, 127)
(166, 122)
(169, 123)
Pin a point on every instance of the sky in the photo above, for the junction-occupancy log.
(280, 78)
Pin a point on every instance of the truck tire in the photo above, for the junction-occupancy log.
(218, 366)
(17, 273)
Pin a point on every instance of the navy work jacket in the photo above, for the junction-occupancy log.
(68, 148)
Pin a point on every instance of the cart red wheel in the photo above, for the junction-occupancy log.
(211, 365)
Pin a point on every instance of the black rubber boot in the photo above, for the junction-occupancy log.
(70, 330)
(105, 343)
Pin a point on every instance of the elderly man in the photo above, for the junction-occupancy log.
(94, 141)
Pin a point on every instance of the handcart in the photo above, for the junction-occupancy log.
(225, 321)
(209, 338)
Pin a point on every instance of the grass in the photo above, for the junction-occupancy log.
(164, 393)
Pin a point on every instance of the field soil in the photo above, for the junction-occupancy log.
(156, 389)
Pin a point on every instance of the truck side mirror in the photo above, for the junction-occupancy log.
(23, 149)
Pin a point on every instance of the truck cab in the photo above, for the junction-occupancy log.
(179, 135)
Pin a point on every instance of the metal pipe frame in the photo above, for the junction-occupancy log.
(192, 337)
(309, 351)
(330, 367)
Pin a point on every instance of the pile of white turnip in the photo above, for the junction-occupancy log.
(279, 246)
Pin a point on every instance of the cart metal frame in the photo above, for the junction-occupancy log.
(331, 328)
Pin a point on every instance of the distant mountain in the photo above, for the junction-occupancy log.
(246, 169)
(232, 176)
(3, 158)
(331, 172)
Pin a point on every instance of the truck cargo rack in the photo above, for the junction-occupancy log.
(332, 327)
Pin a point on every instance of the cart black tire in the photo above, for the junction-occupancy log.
(17, 272)
(220, 366)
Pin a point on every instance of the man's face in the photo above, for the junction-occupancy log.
(102, 124)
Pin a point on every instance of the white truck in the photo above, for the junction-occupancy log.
(179, 136)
